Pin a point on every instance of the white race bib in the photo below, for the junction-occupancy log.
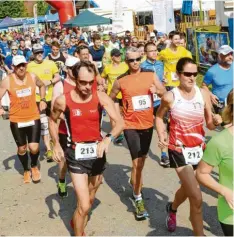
(155, 97)
(174, 76)
(26, 124)
(24, 92)
(99, 64)
(142, 102)
(86, 151)
(192, 155)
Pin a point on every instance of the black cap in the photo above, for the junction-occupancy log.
(115, 52)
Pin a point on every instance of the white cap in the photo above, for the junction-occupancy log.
(225, 49)
(152, 34)
(37, 48)
(71, 61)
(18, 59)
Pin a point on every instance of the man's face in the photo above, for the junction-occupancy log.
(106, 43)
(73, 39)
(183, 43)
(227, 59)
(175, 40)
(14, 50)
(97, 44)
(128, 34)
(85, 81)
(133, 61)
(48, 41)
(20, 70)
(39, 56)
(134, 42)
(116, 58)
(22, 44)
(84, 55)
(151, 52)
(55, 51)
(67, 44)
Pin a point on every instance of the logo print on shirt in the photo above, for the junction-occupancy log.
(76, 112)
(93, 111)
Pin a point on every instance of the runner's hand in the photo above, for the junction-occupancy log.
(228, 195)
(2, 111)
(217, 119)
(103, 147)
(214, 99)
(58, 154)
(42, 105)
(162, 143)
(153, 89)
(47, 83)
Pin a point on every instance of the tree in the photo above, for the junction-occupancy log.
(42, 8)
(12, 9)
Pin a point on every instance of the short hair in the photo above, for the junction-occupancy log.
(88, 65)
(127, 32)
(47, 36)
(140, 45)
(55, 44)
(96, 37)
(182, 62)
(148, 44)
(81, 47)
(182, 35)
(173, 33)
(131, 50)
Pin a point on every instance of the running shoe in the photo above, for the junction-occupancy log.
(48, 155)
(27, 177)
(36, 175)
(62, 189)
(171, 218)
(165, 162)
(141, 212)
(119, 139)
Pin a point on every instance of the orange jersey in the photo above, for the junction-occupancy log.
(137, 99)
(23, 107)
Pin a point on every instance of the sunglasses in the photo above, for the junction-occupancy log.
(37, 53)
(131, 60)
(21, 65)
(14, 49)
(189, 74)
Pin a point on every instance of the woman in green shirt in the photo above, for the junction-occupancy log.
(219, 152)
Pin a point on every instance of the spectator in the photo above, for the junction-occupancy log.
(47, 46)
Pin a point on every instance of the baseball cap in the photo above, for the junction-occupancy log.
(71, 61)
(152, 34)
(115, 52)
(160, 34)
(37, 48)
(225, 49)
(82, 37)
(106, 37)
(18, 59)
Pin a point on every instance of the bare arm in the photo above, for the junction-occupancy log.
(115, 90)
(160, 89)
(56, 78)
(57, 91)
(40, 84)
(214, 99)
(4, 86)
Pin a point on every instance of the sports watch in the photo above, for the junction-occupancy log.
(110, 136)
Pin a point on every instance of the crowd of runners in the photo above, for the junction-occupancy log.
(60, 85)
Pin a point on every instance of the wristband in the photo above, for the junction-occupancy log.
(51, 82)
(44, 100)
(110, 136)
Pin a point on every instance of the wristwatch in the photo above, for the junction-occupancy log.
(44, 100)
(110, 136)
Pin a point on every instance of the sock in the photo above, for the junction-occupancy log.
(171, 210)
(163, 154)
(61, 180)
(24, 161)
(34, 159)
(137, 197)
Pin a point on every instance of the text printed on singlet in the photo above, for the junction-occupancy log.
(142, 102)
(86, 151)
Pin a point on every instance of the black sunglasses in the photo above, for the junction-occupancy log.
(189, 74)
(131, 60)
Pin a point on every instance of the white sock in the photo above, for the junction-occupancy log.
(137, 197)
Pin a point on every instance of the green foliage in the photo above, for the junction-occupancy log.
(12, 9)
(42, 7)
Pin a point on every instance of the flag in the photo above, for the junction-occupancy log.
(187, 7)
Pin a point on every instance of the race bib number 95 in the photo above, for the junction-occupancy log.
(86, 151)
(142, 102)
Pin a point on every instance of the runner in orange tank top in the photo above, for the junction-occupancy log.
(24, 115)
(136, 86)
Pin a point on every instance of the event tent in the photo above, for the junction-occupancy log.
(9, 22)
(87, 18)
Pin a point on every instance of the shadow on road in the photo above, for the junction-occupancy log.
(17, 165)
(153, 156)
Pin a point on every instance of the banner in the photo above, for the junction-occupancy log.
(163, 15)
(117, 17)
(187, 7)
(35, 19)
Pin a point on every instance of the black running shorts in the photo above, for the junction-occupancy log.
(92, 167)
(29, 134)
(177, 159)
(138, 141)
(63, 141)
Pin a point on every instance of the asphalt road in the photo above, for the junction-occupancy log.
(36, 209)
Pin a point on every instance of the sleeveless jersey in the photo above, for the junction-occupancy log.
(23, 107)
(83, 120)
(133, 87)
(67, 87)
(186, 121)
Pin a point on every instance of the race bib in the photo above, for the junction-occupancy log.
(174, 76)
(26, 124)
(155, 97)
(24, 92)
(99, 64)
(192, 155)
(86, 151)
(142, 102)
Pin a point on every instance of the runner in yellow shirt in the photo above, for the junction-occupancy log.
(47, 71)
(111, 73)
(170, 56)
